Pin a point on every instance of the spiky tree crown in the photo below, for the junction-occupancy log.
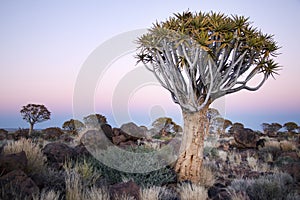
(213, 50)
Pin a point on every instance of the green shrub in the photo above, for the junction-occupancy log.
(155, 178)
(284, 160)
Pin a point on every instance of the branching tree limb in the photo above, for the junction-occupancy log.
(201, 57)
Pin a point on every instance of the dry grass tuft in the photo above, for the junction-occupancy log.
(207, 178)
(192, 191)
(74, 188)
(252, 162)
(47, 195)
(35, 156)
(96, 194)
(151, 193)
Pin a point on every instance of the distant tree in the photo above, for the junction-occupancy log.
(290, 126)
(34, 113)
(165, 125)
(271, 128)
(73, 126)
(198, 58)
(94, 120)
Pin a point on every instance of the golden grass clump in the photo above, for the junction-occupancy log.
(192, 191)
(34, 154)
(151, 193)
(96, 194)
(207, 178)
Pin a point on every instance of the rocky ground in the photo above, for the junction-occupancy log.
(239, 164)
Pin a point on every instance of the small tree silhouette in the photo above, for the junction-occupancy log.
(34, 113)
(290, 126)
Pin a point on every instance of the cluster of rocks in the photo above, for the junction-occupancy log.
(15, 180)
(50, 134)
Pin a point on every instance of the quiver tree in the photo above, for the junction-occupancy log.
(198, 58)
(73, 126)
(34, 113)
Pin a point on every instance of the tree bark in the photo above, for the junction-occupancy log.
(190, 159)
(30, 128)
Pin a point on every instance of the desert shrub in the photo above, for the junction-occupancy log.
(192, 191)
(85, 170)
(9, 191)
(275, 186)
(234, 158)
(283, 160)
(54, 179)
(252, 162)
(35, 156)
(211, 152)
(154, 178)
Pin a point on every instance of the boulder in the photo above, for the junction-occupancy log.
(133, 132)
(119, 139)
(16, 183)
(129, 188)
(81, 151)
(52, 133)
(128, 143)
(108, 132)
(245, 138)
(10, 137)
(95, 139)
(66, 138)
(57, 153)
(21, 133)
(11, 162)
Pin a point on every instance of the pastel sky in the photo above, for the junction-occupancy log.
(44, 45)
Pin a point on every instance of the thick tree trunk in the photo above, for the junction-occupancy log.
(189, 163)
(30, 128)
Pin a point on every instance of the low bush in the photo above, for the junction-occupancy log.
(275, 187)
(158, 177)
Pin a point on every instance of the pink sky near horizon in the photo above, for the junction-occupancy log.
(43, 47)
